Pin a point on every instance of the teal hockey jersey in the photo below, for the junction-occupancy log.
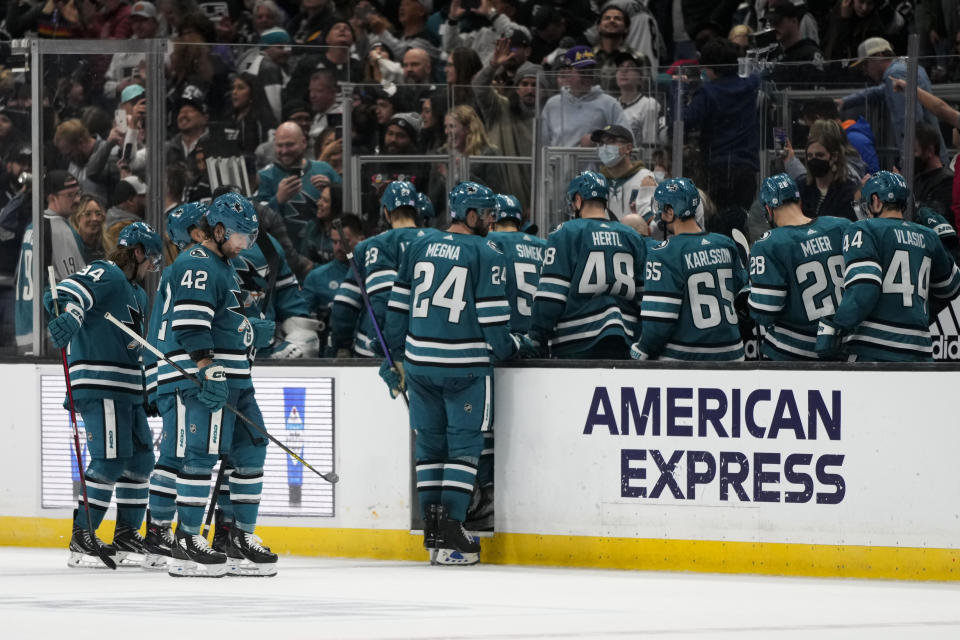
(691, 281)
(379, 258)
(448, 314)
(590, 285)
(891, 267)
(302, 208)
(25, 293)
(104, 361)
(796, 278)
(201, 307)
(253, 269)
(321, 285)
(524, 256)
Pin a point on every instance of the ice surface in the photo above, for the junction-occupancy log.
(323, 598)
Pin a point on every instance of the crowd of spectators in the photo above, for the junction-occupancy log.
(260, 82)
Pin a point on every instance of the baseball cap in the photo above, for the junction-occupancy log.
(58, 180)
(520, 38)
(579, 57)
(195, 97)
(137, 184)
(634, 56)
(276, 35)
(131, 92)
(409, 122)
(144, 10)
(785, 9)
(614, 131)
(871, 47)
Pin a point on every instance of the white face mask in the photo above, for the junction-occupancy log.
(659, 176)
(609, 154)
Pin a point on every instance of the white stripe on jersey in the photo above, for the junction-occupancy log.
(764, 307)
(417, 359)
(345, 300)
(380, 274)
(685, 349)
(492, 304)
(597, 316)
(103, 368)
(551, 295)
(763, 291)
(75, 382)
(662, 299)
(795, 335)
(612, 322)
(191, 322)
(771, 338)
(557, 282)
(920, 333)
(444, 346)
(862, 276)
(859, 337)
(650, 313)
(863, 263)
(193, 307)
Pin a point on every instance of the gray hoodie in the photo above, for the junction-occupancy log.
(567, 118)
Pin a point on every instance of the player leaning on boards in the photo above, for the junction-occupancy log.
(796, 272)
(890, 268)
(692, 280)
(591, 283)
(448, 320)
(107, 382)
(202, 328)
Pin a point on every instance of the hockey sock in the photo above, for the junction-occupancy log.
(429, 484)
(132, 497)
(245, 489)
(163, 495)
(223, 498)
(459, 477)
(485, 467)
(192, 492)
(98, 494)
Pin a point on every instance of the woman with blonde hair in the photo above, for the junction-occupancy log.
(87, 218)
(828, 189)
(466, 136)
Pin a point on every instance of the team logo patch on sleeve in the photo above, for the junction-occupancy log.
(493, 245)
(198, 252)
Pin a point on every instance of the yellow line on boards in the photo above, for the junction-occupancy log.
(900, 563)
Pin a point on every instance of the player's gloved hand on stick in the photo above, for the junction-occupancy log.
(528, 346)
(637, 353)
(64, 327)
(215, 390)
(150, 408)
(829, 340)
(263, 332)
(394, 377)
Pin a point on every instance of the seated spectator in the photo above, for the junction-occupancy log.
(251, 119)
(417, 74)
(128, 68)
(932, 182)
(317, 245)
(401, 138)
(320, 285)
(129, 205)
(569, 118)
(853, 21)
(269, 66)
(433, 135)
(467, 138)
(384, 108)
(412, 16)
(827, 190)
(612, 28)
(785, 17)
(724, 110)
(462, 65)
(292, 184)
(494, 25)
(295, 111)
(313, 16)
(87, 219)
(631, 185)
(335, 57)
(549, 27)
(642, 111)
(267, 15)
(380, 66)
(329, 149)
(859, 134)
(191, 65)
(324, 102)
(88, 157)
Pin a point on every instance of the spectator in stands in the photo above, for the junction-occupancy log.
(251, 119)
(88, 157)
(14, 132)
(432, 111)
(740, 36)
(495, 24)
(612, 28)
(412, 16)
(785, 17)
(329, 149)
(881, 65)
(724, 110)
(267, 15)
(932, 182)
(401, 138)
(828, 190)
(417, 72)
(292, 184)
(642, 111)
(269, 65)
(852, 22)
(467, 136)
(859, 134)
(631, 184)
(87, 219)
(190, 66)
(462, 65)
(129, 68)
(325, 104)
(317, 244)
(129, 205)
(320, 285)
(112, 21)
(384, 108)
(380, 66)
(549, 27)
(334, 57)
(569, 118)
(65, 249)
(313, 16)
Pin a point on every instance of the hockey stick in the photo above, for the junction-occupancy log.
(331, 477)
(107, 560)
(338, 225)
(213, 498)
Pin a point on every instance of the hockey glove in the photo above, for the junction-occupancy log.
(394, 377)
(215, 390)
(150, 408)
(528, 347)
(263, 331)
(637, 353)
(829, 340)
(64, 327)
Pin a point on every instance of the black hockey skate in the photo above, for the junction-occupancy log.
(157, 544)
(221, 534)
(480, 511)
(193, 558)
(129, 545)
(454, 545)
(431, 529)
(248, 557)
(83, 550)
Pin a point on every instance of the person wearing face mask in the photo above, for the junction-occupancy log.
(631, 184)
(932, 182)
(828, 189)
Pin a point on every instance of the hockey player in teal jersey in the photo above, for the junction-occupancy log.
(891, 267)
(448, 321)
(691, 281)
(592, 278)
(203, 329)
(379, 258)
(107, 382)
(322, 283)
(796, 272)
